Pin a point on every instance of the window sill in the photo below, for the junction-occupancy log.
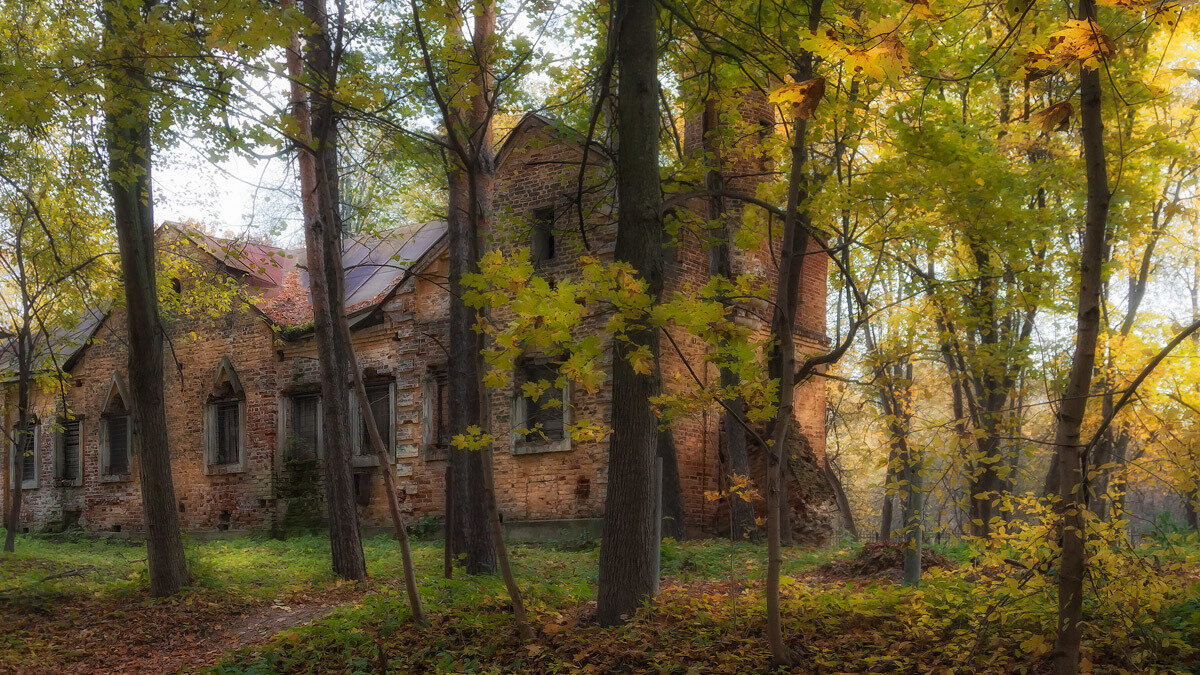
(364, 461)
(223, 469)
(115, 477)
(436, 453)
(59, 482)
(29, 484)
(540, 447)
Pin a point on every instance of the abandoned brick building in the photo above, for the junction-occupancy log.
(241, 388)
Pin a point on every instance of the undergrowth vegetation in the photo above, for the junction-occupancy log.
(993, 609)
(980, 608)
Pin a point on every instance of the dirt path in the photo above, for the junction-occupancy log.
(162, 638)
(251, 629)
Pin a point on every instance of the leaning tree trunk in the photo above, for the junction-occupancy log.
(1071, 452)
(628, 564)
(322, 237)
(389, 479)
(127, 136)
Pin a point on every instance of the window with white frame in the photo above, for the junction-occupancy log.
(225, 422)
(68, 451)
(541, 409)
(380, 398)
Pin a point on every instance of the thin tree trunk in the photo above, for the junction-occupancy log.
(783, 363)
(322, 236)
(839, 494)
(887, 510)
(16, 442)
(510, 581)
(742, 525)
(674, 520)
(127, 135)
(628, 549)
(1074, 403)
(389, 480)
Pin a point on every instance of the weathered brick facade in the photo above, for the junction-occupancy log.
(263, 358)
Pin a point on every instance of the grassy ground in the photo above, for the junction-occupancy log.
(708, 619)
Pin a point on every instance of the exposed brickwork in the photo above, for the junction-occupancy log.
(402, 341)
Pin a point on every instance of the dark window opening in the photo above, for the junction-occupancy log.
(305, 408)
(70, 450)
(362, 488)
(547, 409)
(117, 428)
(442, 410)
(543, 235)
(379, 399)
(28, 455)
(227, 434)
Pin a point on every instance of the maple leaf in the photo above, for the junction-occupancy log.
(1054, 117)
(803, 96)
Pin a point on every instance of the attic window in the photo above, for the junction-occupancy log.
(542, 248)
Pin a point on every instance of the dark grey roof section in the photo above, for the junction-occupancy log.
(62, 349)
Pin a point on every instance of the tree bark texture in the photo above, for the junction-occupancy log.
(628, 548)
(1071, 463)
(322, 236)
(742, 525)
(127, 136)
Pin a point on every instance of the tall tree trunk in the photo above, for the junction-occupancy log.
(471, 175)
(742, 525)
(16, 442)
(782, 360)
(628, 551)
(322, 237)
(127, 136)
(1073, 405)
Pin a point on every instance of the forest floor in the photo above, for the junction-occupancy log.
(69, 604)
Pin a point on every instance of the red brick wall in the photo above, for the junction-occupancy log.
(537, 171)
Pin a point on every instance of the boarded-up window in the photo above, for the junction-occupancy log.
(305, 429)
(69, 466)
(117, 432)
(547, 409)
(27, 446)
(379, 396)
(227, 432)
